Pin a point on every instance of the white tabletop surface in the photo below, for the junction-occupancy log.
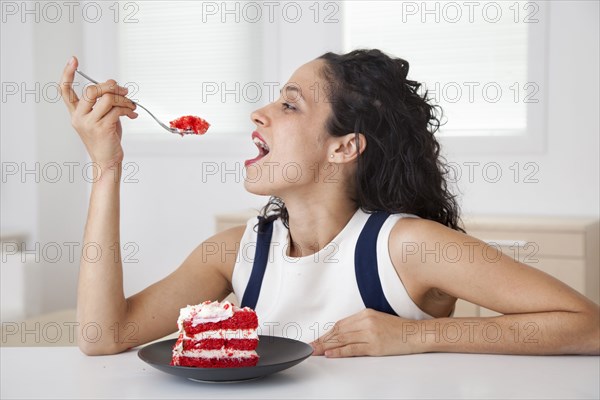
(64, 372)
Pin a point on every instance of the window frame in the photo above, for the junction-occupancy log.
(533, 139)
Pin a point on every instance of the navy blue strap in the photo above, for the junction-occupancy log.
(365, 265)
(261, 256)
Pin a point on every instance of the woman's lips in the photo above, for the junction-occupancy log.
(263, 148)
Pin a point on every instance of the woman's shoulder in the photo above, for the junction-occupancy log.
(411, 228)
(414, 242)
(225, 238)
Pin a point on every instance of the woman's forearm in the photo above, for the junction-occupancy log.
(546, 333)
(101, 304)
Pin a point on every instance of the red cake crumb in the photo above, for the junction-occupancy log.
(191, 123)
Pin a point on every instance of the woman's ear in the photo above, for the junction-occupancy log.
(347, 148)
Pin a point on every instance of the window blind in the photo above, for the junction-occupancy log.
(176, 63)
(474, 65)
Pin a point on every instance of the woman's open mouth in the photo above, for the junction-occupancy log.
(263, 148)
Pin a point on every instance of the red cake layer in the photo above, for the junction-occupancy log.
(215, 344)
(216, 362)
(240, 320)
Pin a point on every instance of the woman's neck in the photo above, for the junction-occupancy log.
(313, 225)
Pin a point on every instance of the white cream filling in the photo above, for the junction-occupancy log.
(224, 334)
(221, 353)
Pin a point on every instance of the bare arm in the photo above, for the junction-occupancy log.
(541, 314)
(95, 117)
(108, 322)
(100, 297)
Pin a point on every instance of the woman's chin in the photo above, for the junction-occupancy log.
(258, 188)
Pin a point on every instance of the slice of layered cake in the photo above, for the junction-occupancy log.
(216, 335)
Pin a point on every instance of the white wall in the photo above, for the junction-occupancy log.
(17, 139)
(169, 210)
(568, 171)
(46, 205)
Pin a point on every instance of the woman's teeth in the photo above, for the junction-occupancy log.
(261, 145)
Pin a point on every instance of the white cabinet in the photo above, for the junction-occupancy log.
(564, 247)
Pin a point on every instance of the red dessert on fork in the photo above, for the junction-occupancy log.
(191, 123)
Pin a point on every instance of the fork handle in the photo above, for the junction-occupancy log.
(86, 76)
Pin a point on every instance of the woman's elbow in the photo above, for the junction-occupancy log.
(590, 334)
(595, 335)
(99, 348)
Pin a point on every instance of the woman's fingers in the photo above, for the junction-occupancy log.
(337, 339)
(107, 102)
(66, 85)
(113, 115)
(93, 92)
(335, 336)
(367, 332)
(351, 350)
(96, 115)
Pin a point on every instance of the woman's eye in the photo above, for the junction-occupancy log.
(287, 106)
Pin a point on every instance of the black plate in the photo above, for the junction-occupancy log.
(276, 354)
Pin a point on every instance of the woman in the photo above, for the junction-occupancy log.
(349, 142)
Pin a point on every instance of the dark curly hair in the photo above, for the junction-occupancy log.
(401, 170)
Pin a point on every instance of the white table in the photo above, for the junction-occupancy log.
(64, 372)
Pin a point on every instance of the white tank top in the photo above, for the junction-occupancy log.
(302, 297)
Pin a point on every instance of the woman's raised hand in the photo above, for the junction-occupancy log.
(96, 116)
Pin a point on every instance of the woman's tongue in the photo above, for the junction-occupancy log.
(261, 153)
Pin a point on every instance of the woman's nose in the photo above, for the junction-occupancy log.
(259, 117)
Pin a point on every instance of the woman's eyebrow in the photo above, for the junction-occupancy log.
(297, 93)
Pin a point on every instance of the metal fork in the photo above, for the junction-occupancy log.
(172, 130)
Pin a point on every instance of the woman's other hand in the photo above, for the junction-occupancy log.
(368, 333)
